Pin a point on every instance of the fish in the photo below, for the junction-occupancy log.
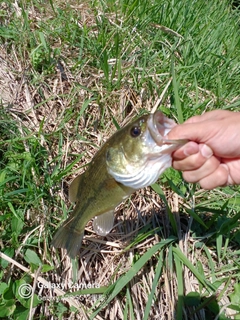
(132, 158)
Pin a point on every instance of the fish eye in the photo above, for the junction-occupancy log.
(135, 131)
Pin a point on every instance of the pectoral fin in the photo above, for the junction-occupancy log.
(103, 223)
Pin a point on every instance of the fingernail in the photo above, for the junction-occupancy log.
(206, 151)
(187, 151)
(190, 148)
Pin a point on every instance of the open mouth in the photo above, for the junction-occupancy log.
(159, 126)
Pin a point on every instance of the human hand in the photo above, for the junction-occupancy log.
(212, 157)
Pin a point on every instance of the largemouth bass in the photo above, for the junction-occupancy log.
(134, 157)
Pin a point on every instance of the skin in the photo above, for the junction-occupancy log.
(212, 157)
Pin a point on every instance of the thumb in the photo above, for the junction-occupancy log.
(191, 131)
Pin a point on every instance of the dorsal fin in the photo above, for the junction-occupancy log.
(73, 189)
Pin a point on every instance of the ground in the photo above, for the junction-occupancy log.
(71, 75)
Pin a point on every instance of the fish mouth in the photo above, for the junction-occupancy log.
(159, 126)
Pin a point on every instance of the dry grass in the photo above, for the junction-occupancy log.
(99, 257)
(71, 113)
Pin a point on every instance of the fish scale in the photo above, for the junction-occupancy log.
(132, 158)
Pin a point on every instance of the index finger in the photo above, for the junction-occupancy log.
(211, 115)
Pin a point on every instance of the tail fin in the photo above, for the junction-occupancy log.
(69, 238)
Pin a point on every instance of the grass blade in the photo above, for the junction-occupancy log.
(124, 280)
(154, 285)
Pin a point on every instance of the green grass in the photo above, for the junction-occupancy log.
(70, 75)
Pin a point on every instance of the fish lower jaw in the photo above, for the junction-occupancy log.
(145, 176)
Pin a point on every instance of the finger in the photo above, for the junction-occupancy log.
(197, 129)
(187, 150)
(233, 167)
(211, 115)
(191, 131)
(208, 167)
(194, 161)
(216, 179)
